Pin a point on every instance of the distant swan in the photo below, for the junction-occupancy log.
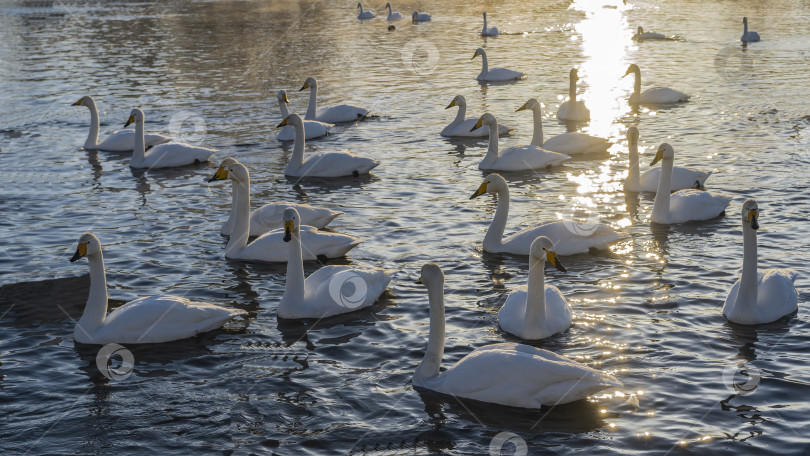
(748, 37)
(491, 31)
(641, 35)
(567, 143)
(330, 114)
(508, 374)
(518, 158)
(314, 129)
(365, 14)
(148, 320)
(682, 178)
(573, 110)
(167, 155)
(494, 74)
(392, 15)
(119, 141)
(759, 296)
(420, 17)
(462, 127)
(655, 95)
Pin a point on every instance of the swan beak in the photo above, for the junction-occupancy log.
(81, 250)
(419, 280)
(658, 156)
(221, 174)
(628, 72)
(306, 84)
(551, 257)
(78, 103)
(475, 55)
(129, 121)
(452, 103)
(285, 99)
(521, 108)
(477, 125)
(752, 217)
(283, 122)
(288, 228)
(481, 190)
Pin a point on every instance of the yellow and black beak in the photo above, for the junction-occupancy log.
(551, 257)
(78, 103)
(452, 103)
(521, 108)
(285, 98)
(481, 190)
(306, 86)
(628, 72)
(477, 125)
(129, 121)
(419, 280)
(81, 250)
(658, 156)
(753, 215)
(475, 55)
(283, 122)
(288, 229)
(221, 174)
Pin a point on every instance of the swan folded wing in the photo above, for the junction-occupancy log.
(170, 155)
(312, 129)
(124, 141)
(685, 205)
(527, 158)
(336, 164)
(682, 178)
(463, 129)
(269, 217)
(270, 247)
(512, 316)
(502, 74)
(340, 113)
(663, 95)
(569, 238)
(331, 290)
(576, 143)
(777, 294)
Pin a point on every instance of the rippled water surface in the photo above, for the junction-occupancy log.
(648, 310)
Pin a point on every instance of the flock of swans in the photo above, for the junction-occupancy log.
(506, 373)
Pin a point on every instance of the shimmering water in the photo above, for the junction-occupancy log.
(648, 310)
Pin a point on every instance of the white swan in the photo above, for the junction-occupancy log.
(270, 246)
(167, 155)
(119, 141)
(519, 158)
(323, 293)
(322, 164)
(569, 237)
(682, 178)
(566, 143)
(683, 205)
(573, 110)
(419, 17)
(269, 216)
(365, 14)
(759, 296)
(748, 37)
(509, 374)
(494, 74)
(655, 95)
(148, 320)
(392, 15)
(461, 127)
(330, 114)
(641, 35)
(491, 31)
(536, 311)
(314, 129)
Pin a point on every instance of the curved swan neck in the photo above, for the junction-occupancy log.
(660, 211)
(313, 94)
(494, 237)
(484, 65)
(282, 106)
(297, 158)
(429, 367)
(241, 228)
(492, 151)
(462, 112)
(633, 178)
(92, 137)
(536, 299)
(637, 81)
(139, 148)
(747, 294)
(294, 288)
(537, 135)
(96, 309)
(389, 9)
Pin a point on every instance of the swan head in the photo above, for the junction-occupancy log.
(86, 100)
(311, 82)
(479, 51)
(360, 5)
(136, 115)
(640, 30)
(293, 119)
(745, 20)
(493, 183)
(415, 15)
(573, 74)
(633, 68)
(222, 173)
(459, 101)
(235, 171)
(665, 152)
(632, 135)
(291, 223)
(485, 14)
(282, 96)
(543, 249)
(750, 214)
(488, 120)
(431, 275)
(531, 104)
(388, 5)
(88, 245)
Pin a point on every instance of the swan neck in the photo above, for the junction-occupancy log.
(297, 158)
(283, 108)
(660, 212)
(232, 215)
(633, 178)
(92, 136)
(749, 284)
(139, 148)
(745, 28)
(494, 237)
(537, 135)
(241, 228)
(313, 94)
(484, 65)
(572, 90)
(96, 308)
(294, 288)
(429, 367)
(461, 114)
(492, 151)
(637, 82)
(536, 299)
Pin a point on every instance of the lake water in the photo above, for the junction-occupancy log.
(648, 310)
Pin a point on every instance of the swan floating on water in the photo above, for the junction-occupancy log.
(536, 311)
(119, 141)
(748, 36)
(508, 374)
(419, 17)
(566, 143)
(641, 35)
(314, 129)
(392, 15)
(494, 74)
(573, 110)
(682, 178)
(270, 247)
(461, 127)
(322, 164)
(321, 294)
(166, 155)
(491, 31)
(655, 95)
(569, 238)
(759, 296)
(147, 320)
(365, 14)
(269, 217)
(519, 158)
(683, 205)
(330, 114)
